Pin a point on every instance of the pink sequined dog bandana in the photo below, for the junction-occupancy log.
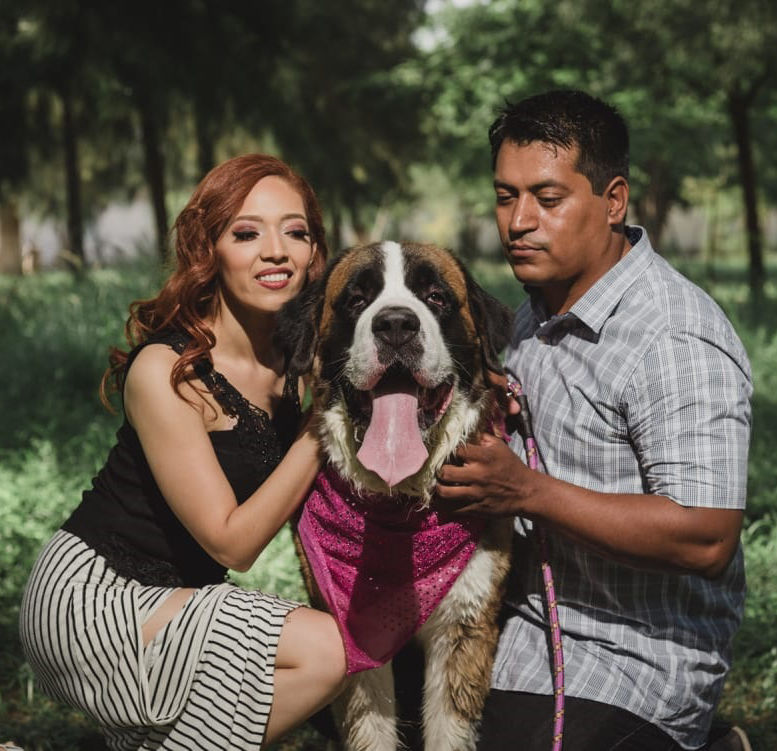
(381, 565)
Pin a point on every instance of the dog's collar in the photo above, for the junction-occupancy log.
(381, 564)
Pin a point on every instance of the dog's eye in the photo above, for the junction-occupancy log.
(357, 303)
(436, 298)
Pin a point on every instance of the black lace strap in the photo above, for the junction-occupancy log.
(268, 438)
(229, 398)
(254, 427)
(234, 403)
(175, 339)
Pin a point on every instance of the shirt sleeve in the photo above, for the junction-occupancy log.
(687, 408)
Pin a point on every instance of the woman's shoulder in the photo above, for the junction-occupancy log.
(151, 363)
(153, 359)
(159, 350)
(148, 390)
(174, 341)
(149, 372)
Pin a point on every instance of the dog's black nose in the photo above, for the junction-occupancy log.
(396, 326)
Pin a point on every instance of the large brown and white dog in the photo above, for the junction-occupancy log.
(398, 340)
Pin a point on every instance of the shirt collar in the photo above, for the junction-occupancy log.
(598, 303)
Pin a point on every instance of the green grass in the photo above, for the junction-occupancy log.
(55, 331)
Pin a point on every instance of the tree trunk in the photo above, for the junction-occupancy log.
(154, 167)
(75, 223)
(357, 225)
(10, 238)
(467, 246)
(335, 238)
(739, 111)
(652, 209)
(380, 223)
(203, 125)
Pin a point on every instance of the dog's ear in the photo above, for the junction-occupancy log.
(296, 327)
(493, 321)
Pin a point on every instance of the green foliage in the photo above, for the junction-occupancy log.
(670, 66)
(750, 696)
(156, 90)
(276, 570)
(359, 95)
(356, 70)
(54, 333)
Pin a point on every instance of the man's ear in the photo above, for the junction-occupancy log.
(296, 328)
(617, 195)
(493, 322)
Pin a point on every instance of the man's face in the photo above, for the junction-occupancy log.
(556, 233)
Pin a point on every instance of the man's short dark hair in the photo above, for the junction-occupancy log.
(569, 118)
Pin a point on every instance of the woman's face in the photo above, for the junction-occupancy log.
(265, 251)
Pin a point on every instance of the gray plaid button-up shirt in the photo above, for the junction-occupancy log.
(642, 387)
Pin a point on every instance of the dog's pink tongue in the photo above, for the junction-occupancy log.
(392, 446)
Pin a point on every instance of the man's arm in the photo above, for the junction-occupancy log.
(645, 531)
(687, 413)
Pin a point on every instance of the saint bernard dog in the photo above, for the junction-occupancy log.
(397, 340)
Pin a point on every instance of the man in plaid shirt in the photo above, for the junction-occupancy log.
(639, 390)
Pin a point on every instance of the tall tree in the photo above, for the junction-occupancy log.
(481, 56)
(673, 135)
(231, 53)
(150, 114)
(14, 67)
(350, 111)
(75, 224)
(139, 45)
(664, 63)
(68, 115)
(182, 61)
(723, 47)
(62, 39)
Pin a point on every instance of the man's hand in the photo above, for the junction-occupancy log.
(490, 480)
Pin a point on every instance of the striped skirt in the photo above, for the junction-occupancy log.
(204, 681)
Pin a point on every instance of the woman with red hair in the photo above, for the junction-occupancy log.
(127, 614)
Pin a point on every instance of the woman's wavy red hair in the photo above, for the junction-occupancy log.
(189, 296)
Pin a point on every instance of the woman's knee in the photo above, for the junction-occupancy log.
(310, 640)
(335, 651)
(327, 653)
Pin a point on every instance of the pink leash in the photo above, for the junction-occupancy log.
(515, 390)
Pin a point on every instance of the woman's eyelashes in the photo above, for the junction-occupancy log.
(299, 233)
(247, 234)
(243, 235)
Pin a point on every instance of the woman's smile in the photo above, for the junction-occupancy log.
(274, 278)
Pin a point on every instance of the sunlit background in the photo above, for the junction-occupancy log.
(110, 112)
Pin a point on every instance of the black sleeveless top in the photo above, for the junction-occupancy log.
(124, 516)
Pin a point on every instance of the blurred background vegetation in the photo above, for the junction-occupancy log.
(111, 112)
(383, 106)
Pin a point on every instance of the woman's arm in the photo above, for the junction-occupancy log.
(180, 454)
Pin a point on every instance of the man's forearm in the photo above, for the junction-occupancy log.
(646, 531)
